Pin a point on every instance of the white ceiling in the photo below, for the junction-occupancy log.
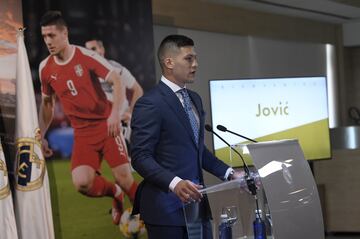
(332, 11)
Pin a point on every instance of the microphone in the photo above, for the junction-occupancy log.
(249, 180)
(224, 129)
(210, 129)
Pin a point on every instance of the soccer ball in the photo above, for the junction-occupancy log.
(131, 226)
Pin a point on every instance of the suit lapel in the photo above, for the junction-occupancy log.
(173, 101)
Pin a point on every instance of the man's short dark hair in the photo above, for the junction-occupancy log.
(53, 18)
(173, 41)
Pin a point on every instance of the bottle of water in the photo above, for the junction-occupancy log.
(224, 227)
(259, 226)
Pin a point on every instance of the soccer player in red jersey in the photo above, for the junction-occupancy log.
(72, 74)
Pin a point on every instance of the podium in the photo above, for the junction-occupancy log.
(288, 196)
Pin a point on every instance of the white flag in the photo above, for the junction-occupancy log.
(32, 195)
(7, 217)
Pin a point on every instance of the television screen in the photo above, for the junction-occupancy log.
(271, 109)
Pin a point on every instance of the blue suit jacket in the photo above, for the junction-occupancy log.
(163, 146)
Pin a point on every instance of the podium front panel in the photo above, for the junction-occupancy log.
(290, 189)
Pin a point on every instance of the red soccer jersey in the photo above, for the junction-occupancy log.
(75, 82)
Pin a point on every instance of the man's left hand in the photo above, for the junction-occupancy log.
(237, 174)
(240, 174)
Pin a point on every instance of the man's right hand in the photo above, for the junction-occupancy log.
(188, 191)
(45, 148)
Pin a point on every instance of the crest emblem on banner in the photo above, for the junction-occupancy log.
(30, 163)
(79, 70)
(4, 180)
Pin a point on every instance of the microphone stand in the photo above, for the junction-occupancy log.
(248, 178)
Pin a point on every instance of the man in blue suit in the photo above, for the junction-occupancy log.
(168, 146)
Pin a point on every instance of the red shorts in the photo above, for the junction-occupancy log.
(90, 150)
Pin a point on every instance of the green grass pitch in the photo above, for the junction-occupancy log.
(76, 216)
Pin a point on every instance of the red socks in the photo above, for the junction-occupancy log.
(101, 188)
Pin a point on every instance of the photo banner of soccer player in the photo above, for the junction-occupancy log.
(79, 52)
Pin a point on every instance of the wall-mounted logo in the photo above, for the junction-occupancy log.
(30, 163)
(272, 110)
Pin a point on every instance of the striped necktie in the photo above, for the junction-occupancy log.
(190, 113)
